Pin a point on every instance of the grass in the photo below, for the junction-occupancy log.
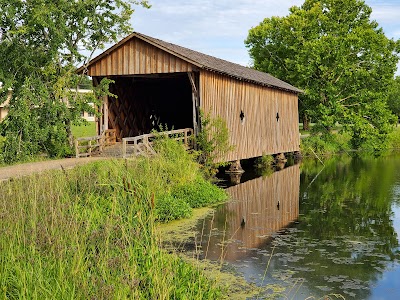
(84, 130)
(90, 232)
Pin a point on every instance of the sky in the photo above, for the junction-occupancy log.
(219, 27)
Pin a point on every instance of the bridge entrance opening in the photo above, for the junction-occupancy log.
(147, 102)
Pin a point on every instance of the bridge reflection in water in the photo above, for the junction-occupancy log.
(258, 209)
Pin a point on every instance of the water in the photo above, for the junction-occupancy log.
(313, 230)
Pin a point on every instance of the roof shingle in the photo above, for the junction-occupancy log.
(211, 63)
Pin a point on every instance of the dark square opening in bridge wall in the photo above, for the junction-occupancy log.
(144, 103)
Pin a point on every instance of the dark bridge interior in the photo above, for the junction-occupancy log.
(147, 101)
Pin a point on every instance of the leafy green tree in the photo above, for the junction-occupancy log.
(41, 44)
(341, 59)
(394, 97)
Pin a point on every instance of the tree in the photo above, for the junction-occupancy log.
(394, 98)
(41, 44)
(341, 59)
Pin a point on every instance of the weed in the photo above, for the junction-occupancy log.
(213, 143)
(90, 232)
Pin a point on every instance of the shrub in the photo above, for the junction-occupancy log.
(199, 192)
(325, 143)
(394, 139)
(213, 143)
(170, 208)
(264, 161)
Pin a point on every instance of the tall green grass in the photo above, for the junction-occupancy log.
(89, 233)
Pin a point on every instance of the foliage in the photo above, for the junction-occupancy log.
(199, 193)
(394, 139)
(174, 175)
(264, 165)
(322, 144)
(41, 42)
(89, 233)
(264, 161)
(171, 208)
(394, 98)
(212, 142)
(339, 57)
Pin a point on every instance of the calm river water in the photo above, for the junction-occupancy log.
(314, 230)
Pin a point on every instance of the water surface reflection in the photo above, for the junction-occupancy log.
(259, 208)
(314, 230)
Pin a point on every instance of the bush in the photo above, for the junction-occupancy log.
(264, 161)
(199, 193)
(327, 143)
(170, 208)
(213, 143)
(394, 139)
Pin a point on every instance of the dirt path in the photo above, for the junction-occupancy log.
(37, 167)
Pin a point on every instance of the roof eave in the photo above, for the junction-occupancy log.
(294, 90)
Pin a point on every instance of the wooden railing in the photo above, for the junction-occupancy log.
(110, 137)
(86, 146)
(142, 144)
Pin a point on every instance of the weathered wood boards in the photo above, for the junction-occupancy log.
(155, 79)
(138, 57)
(251, 112)
(142, 144)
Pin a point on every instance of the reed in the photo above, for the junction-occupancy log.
(90, 233)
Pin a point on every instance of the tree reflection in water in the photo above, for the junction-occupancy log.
(344, 241)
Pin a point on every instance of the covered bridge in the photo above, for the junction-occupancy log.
(162, 83)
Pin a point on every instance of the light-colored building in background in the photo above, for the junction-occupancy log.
(4, 106)
(90, 117)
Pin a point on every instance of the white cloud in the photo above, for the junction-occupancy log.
(219, 28)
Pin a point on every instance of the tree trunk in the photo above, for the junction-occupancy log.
(306, 122)
(69, 133)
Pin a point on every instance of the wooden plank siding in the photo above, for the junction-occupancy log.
(138, 57)
(260, 133)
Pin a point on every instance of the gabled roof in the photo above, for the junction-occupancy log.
(207, 62)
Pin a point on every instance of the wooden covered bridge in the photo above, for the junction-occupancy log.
(162, 83)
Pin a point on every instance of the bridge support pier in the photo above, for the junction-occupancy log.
(235, 168)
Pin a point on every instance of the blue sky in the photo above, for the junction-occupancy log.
(219, 27)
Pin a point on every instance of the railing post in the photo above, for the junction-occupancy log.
(124, 148)
(101, 143)
(76, 148)
(90, 148)
(135, 147)
(186, 138)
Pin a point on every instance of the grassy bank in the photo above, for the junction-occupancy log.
(86, 130)
(337, 142)
(90, 232)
